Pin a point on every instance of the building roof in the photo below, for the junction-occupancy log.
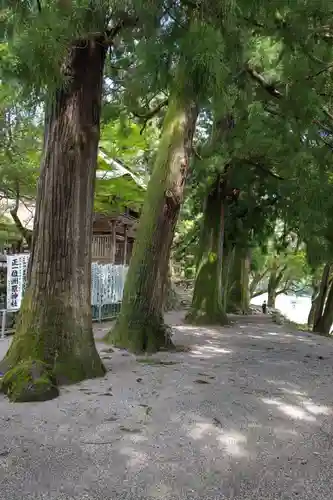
(117, 169)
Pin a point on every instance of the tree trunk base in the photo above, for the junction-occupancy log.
(321, 330)
(62, 353)
(30, 381)
(234, 309)
(195, 317)
(147, 336)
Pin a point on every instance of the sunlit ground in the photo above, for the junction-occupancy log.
(242, 413)
(295, 309)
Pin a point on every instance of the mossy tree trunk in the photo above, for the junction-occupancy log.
(271, 291)
(228, 265)
(140, 326)
(239, 297)
(207, 303)
(55, 323)
(274, 281)
(321, 298)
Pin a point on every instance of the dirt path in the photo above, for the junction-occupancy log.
(247, 414)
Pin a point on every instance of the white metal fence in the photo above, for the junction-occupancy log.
(107, 288)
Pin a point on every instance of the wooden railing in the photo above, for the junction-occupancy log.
(104, 251)
(102, 247)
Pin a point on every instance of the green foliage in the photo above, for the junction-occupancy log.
(266, 68)
(8, 232)
(21, 144)
(124, 140)
(126, 146)
(288, 269)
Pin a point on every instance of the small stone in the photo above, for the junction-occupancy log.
(217, 423)
(111, 419)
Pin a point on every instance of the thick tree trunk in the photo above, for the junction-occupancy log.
(140, 325)
(320, 301)
(312, 313)
(272, 289)
(54, 329)
(324, 324)
(314, 302)
(207, 303)
(239, 298)
(228, 265)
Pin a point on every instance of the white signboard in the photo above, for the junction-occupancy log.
(17, 266)
(107, 282)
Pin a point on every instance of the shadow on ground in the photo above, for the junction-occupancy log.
(246, 414)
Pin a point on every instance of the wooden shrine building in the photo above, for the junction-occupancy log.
(113, 237)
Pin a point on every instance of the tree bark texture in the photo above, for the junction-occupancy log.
(55, 323)
(272, 287)
(207, 303)
(321, 299)
(314, 302)
(324, 324)
(239, 297)
(140, 325)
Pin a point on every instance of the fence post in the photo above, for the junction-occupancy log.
(3, 323)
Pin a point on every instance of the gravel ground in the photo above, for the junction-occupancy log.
(246, 414)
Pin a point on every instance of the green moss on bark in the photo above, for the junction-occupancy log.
(48, 334)
(30, 381)
(207, 303)
(238, 300)
(140, 326)
(55, 324)
(149, 335)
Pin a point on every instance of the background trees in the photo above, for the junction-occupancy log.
(234, 100)
(51, 46)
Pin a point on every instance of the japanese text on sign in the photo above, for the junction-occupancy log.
(16, 279)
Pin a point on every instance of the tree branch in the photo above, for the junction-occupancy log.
(323, 127)
(279, 275)
(288, 288)
(125, 20)
(26, 233)
(270, 88)
(196, 153)
(148, 115)
(263, 169)
(256, 280)
(260, 292)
